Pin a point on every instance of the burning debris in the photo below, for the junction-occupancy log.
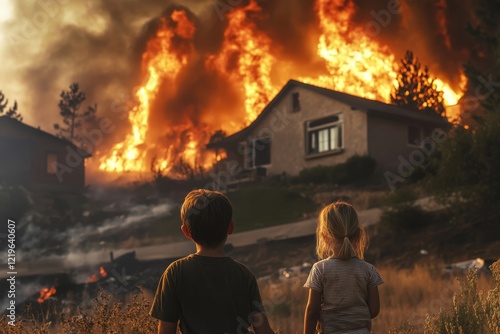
(96, 277)
(120, 276)
(45, 294)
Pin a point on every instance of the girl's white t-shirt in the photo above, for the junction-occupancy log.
(344, 287)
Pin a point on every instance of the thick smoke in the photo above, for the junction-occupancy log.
(435, 30)
(99, 45)
(55, 43)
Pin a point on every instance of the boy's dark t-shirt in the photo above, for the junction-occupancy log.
(208, 295)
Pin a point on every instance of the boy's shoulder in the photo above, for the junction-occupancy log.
(195, 260)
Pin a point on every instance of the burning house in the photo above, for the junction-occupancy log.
(306, 126)
(201, 72)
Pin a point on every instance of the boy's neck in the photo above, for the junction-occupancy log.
(212, 252)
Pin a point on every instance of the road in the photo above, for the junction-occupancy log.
(61, 264)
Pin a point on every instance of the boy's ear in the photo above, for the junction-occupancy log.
(230, 228)
(185, 230)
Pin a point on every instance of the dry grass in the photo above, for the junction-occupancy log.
(407, 297)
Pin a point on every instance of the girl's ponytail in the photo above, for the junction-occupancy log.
(346, 250)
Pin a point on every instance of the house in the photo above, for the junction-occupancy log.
(306, 126)
(38, 160)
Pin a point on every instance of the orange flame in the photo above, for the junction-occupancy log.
(356, 64)
(251, 49)
(94, 278)
(45, 293)
(160, 64)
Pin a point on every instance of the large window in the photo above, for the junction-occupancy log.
(258, 152)
(324, 135)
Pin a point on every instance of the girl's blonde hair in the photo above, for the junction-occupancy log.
(338, 225)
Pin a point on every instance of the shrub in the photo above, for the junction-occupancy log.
(472, 311)
(356, 169)
(401, 213)
(410, 218)
(318, 174)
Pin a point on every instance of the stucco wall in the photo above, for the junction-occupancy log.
(287, 130)
(388, 143)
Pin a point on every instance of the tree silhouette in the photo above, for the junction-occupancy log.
(215, 137)
(12, 111)
(483, 68)
(415, 89)
(69, 107)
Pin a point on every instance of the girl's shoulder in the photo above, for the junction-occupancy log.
(354, 262)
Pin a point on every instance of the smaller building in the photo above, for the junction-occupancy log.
(306, 126)
(39, 160)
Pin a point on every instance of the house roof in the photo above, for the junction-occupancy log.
(20, 126)
(356, 102)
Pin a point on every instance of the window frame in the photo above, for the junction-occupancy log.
(295, 102)
(324, 124)
(420, 138)
(47, 171)
(250, 149)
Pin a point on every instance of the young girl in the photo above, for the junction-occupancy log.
(343, 293)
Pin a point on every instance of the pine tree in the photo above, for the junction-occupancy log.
(12, 111)
(416, 89)
(483, 69)
(467, 167)
(69, 107)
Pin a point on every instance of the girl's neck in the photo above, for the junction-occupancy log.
(336, 250)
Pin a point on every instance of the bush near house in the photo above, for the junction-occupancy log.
(357, 169)
(400, 213)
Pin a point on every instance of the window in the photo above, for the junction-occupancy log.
(414, 135)
(295, 102)
(324, 135)
(258, 152)
(51, 163)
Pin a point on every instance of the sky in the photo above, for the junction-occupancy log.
(45, 45)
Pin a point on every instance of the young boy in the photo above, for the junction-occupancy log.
(208, 292)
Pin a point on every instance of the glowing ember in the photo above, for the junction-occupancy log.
(45, 293)
(94, 278)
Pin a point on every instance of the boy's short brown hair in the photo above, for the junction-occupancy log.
(207, 214)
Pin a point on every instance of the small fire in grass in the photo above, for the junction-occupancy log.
(95, 277)
(45, 293)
